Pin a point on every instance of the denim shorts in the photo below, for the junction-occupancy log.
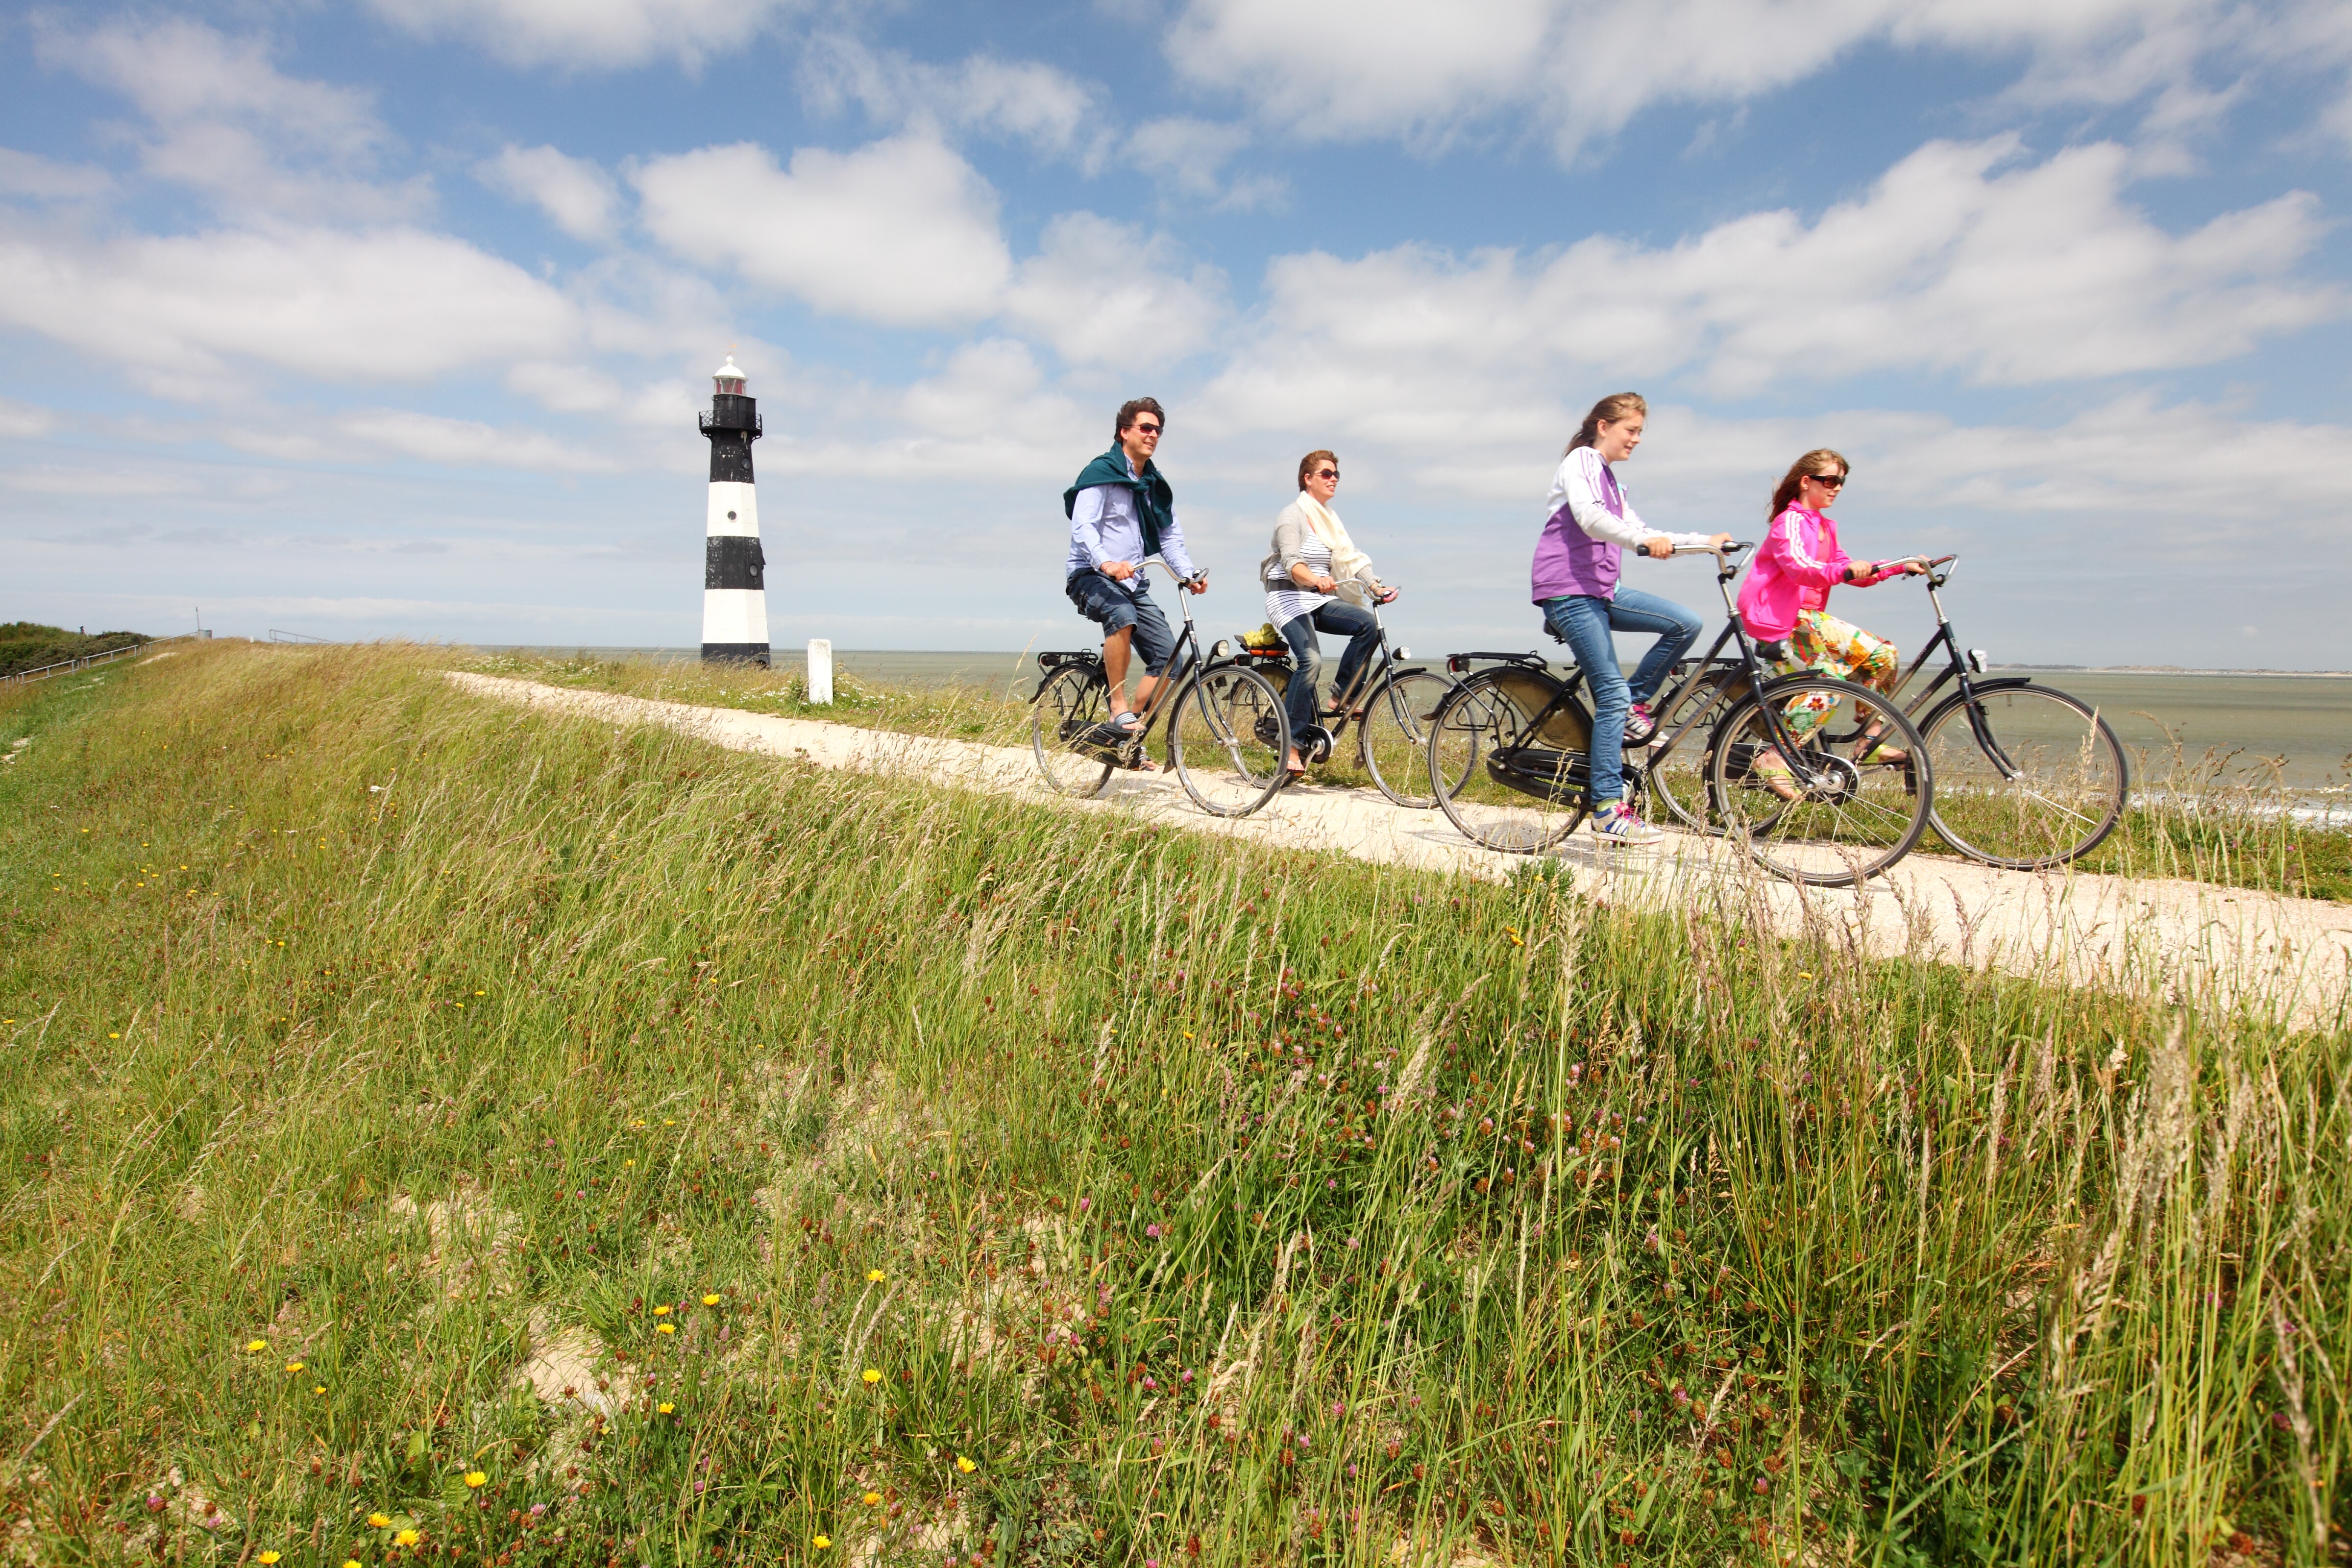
(1113, 609)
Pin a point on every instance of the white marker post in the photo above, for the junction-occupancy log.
(820, 675)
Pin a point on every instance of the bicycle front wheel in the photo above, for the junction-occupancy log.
(2026, 776)
(1063, 722)
(1677, 780)
(1491, 772)
(1394, 739)
(1805, 781)
(1227, 739)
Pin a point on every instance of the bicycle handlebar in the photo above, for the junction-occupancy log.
(1152, 560)
(1731, 548)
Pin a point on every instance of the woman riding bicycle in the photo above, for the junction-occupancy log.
(1314, 563)
(1784, 605)
(1575, 582)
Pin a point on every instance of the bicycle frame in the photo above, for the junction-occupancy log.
(1181, 661)
(1958, 668)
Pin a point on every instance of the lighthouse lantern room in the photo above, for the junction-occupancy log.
(734, 568)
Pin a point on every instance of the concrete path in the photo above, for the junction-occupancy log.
(2190, 942)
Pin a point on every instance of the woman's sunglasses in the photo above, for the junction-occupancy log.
(1327, 473)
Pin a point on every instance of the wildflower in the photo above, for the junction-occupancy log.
(966, 1466)
(1152, 1231)
(871, 1499)
(351, 1563)
(293, 1366)
(665, 1328)
(667, 1408)
(477, 1480)
(317, 1388)
(662, 1311)
(264, 1558)
(255, 1347)
(874, 1277)
(873, 1374)
(822, 1543)
(1085, 1203)
(379, 1520)
(710, 1300)
(406, 1538)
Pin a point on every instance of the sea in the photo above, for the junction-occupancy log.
(2256, 727)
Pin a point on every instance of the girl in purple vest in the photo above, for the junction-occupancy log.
(1575, 574)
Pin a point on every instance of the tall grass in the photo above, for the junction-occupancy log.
(649, 1154)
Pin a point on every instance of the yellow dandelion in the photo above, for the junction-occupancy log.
(873, 1374)
(966, 1466)
(665, 1328)
(870, 1499)
(293, 1366)
(667, 1408)
(475, 1480)
(662, 1311)
(264, 1558)
(822, 1543)
(481, 993)
(710, 1300)
(874, 1277)
(406, 1538)
(317, 1388)
(628, 1162)
(255, 1347)
(378, 1520)
(351, 1563)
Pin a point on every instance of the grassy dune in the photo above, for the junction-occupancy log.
(2209, 818)
(447, 1134)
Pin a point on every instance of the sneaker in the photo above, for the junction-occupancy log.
(1617, 824)
(1640, 724)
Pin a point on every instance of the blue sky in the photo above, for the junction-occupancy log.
(393, 319)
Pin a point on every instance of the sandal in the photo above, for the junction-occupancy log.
(1772, 770)
(1873, 749)
(1127, 725)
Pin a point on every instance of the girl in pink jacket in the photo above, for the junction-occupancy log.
(1784, 604)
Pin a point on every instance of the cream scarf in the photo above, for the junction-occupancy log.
(1347, 560)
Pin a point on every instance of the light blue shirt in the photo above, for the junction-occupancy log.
(1104, 527)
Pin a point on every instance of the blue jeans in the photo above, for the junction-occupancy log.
(1586, 622)
(1340, 618)
(1113, 609)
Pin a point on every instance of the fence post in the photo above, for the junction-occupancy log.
(820, 669)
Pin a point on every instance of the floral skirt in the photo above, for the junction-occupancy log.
(1843, 651)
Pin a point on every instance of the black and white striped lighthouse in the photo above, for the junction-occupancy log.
(734, 568)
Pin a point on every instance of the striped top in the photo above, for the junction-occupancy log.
(1285, 605)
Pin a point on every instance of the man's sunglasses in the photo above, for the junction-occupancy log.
(1147, 429)
(1828, 482)
(1327, 473)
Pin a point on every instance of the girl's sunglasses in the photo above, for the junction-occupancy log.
(1828, 481)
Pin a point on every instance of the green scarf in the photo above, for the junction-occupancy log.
(1155, 503)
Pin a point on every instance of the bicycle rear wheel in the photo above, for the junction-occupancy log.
(1228, 738)
(1394, 739)
(1494, 775)
(1073, 705)
(2034, 778)
(1854, 815)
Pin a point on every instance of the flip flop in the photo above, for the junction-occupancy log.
(1773, 771)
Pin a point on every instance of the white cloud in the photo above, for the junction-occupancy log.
(578, 197)
(901, 231)
(465, 443)
(1025, 100)
(1581, 68)
(45, 179)
(23, 421)
(183, 312)
(988, 416)
(1104, 293)
(1189, 156)
(1960, 260)
(603, 34)
(226, 122)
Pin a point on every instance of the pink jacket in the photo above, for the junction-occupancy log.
(1794, 571)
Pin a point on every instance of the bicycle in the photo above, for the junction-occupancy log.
(1509, 749)
(1392, 705)
(2027, 776)
(1227, 733)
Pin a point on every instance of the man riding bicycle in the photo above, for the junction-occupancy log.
(1122, 512)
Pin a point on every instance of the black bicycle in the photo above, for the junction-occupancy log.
(1227, 734)
(1821, 781)
(1391, 703)
(2027, 776)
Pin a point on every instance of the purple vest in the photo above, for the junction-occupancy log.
(1571, 561)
